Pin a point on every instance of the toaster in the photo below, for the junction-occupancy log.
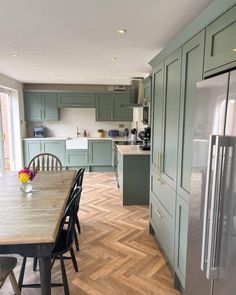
(113, 133)
(39, 131)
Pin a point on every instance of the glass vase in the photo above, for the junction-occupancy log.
(26, 187)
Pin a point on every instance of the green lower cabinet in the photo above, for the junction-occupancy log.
(163, 225)
(133, 178)
(35, 147)
(181, 236)
(100, 152)
(77, 158)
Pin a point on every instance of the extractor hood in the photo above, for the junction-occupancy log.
(137, 94)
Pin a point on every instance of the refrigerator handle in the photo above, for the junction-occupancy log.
(206, 203)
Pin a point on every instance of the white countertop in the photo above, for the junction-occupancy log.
(132, 150)
(89, 138)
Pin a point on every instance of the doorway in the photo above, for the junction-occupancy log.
(5, 132)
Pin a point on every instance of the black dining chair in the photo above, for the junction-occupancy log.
(63, 243)
(7, 264)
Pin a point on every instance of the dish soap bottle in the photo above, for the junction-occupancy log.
(85, 133)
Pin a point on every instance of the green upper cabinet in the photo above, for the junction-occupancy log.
(147, 85)
(100, 152)
(113, 107)
(192, 72)
(157, 116)
(221, 42)
(41, 106)
(103, 107)
(171, 118)
(120, 109)
(76, 99)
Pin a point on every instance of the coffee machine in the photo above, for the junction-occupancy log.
(145, 136)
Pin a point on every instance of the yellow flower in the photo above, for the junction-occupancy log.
(23, 177)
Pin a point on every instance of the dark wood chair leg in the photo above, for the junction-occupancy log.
(53, 261)
(74, 259)
(78, 224)
(76, 240)
(64, 277)
(22, 273)
(14, 284)
(35, 262)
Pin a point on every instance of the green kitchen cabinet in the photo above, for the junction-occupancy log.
(76, 99)
(41, 106)
(163, 226)
(172, 78)
(157, 117)
(120, 109)
(100, 152)
(34, 147)
(147, 87)
(77, 158)
(192, 72)
(221, 43)
(103, 107)
(133, 178)
(181, 236)
(113, 107)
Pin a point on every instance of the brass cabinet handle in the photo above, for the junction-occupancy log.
(159, 213)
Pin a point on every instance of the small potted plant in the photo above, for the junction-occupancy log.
(100, 133)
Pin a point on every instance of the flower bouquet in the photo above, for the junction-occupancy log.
(25, 176)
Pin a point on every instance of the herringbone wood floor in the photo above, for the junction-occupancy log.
(117, 256)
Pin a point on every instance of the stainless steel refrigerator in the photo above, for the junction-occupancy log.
(211, 256)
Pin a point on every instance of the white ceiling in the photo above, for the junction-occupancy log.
(73, 41)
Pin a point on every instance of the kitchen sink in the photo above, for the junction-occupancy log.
(77, 143)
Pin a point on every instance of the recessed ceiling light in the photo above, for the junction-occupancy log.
(121, 31)
(15, 54)
(114, 58)
(108, 72)
(234, 50)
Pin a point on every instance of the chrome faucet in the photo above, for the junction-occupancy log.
(78, 133)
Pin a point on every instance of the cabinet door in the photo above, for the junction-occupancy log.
(120, 109)
(171, 118)
(31, 149)
(157, 115)
(56, 148)
(147, 89)
(192, 72)
(77, 158)
(79, 99)
(33, 106)
(50, 107)
(221, 42)
(181, 235)
(103, 107)
(100, 153)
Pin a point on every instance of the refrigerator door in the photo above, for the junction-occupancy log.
(210, 107)
(225, 255)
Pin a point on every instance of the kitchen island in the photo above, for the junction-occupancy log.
(133, 171)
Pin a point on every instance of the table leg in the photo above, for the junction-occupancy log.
(45, 275)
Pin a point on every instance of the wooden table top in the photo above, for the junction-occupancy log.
(34, 217)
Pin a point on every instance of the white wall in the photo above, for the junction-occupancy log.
(70, 118)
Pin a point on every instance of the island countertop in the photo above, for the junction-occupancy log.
(132, 150)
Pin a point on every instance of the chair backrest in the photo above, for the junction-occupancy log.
(45, 162)
(70, 212)
(78, 181)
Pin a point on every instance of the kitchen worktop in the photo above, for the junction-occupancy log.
(131, 150)
(122, 138)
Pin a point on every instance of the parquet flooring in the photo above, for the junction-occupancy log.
(117, 256)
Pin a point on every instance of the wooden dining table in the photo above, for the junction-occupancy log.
(29, 222)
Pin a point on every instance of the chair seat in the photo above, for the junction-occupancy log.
(7, 264)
